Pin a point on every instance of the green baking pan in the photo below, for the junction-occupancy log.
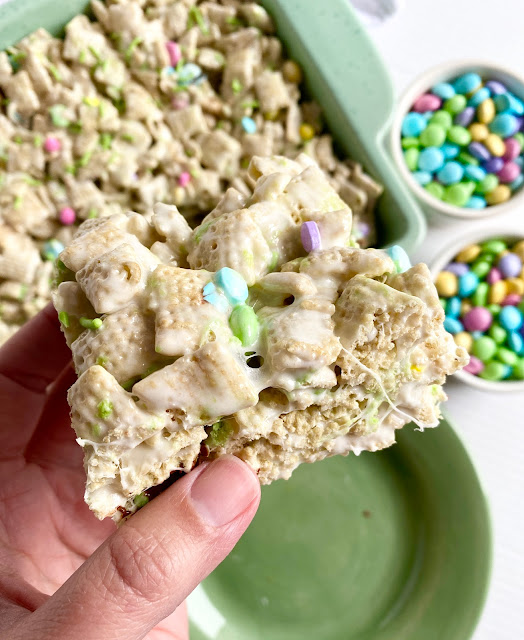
(394, 545)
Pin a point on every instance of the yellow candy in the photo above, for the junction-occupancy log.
(292, 72)
(519, 249)
(271, 115)
(486, 111)
(498, 291)
(495, 145)
(465, 307)
(447, 284)
(479, 132)
(515, 285)
(500, 194)
(468, 254)
(306, 132)
(464, 339)
(179, 195)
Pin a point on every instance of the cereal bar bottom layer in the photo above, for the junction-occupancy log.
(153, 100)
(231, 338)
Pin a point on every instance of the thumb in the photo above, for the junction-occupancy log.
(141, 573)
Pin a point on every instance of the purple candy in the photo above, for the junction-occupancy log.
(478, 150)
(310, 236)
(458, 268)
(510, 265)
(513, 149)
(496, 87)
(475, 366)
(493, 165)
(464, 118)
(477, 319)
(494, 276)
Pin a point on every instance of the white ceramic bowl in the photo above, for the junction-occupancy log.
(445, 257)
(443, 73)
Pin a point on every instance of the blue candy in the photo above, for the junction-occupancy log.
(413, 124)
(468, 284)
(422, 177)
(452, 325)
(476, 202)
(453, 307)
(209, 289)
(474, 173)
(451, 173)
(510, 318)
(477, 334)
(450, 150)
(509, 102)
(399, 257)
(248, 124)
(52, 249)
(217, 300)
(479, 151)
(443, 90)
(504, 124)
(516, 343)
(233, 285)
(430, 159)
(507, 371)
(190, 73)
(517, 183)
(467, 82)
(479, 96)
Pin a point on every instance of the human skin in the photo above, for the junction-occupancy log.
(64, 574)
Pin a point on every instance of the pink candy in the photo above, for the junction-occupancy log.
(180, 102)
(174, 52)
(475, 366)
(52, 144)
(512, 299)
(67, 216)
(494, 276)
(509, 172)
(427, 102)
(513, 149)
(477, 319)
(184, 179)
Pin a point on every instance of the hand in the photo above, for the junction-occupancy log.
(64, 574)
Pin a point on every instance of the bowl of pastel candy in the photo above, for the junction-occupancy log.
(480, 282)
(458, 139)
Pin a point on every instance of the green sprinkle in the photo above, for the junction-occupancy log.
(55, 73)
(237, 86)
(23, 291)
(84, 160)
(129, 51)
(63, 316)
(18, 203)
(93, 213)
(57, 115)
(199, 232)
(18, 139)
(71, 169)
(82, 57)
(38, 141)
(87, 323)
(95, 54)
(105, 141)
(234, 21)
(97, 430)
(76, 127)
(140, 500)
(32, 182)
(115, 36)
(250, 104)
(274, 260)
(128, 137)
(128, 384)
(104, 409)
(101, 361)
(196, 17)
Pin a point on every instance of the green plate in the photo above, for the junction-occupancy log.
(394, 545)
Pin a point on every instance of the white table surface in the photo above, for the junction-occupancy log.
(490, 424)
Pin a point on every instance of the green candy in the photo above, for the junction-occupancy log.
(480, 297)
(442, 118)
(104, 409)
(459, 135)
(519, 137)
(433, 136)
(518, 369)
(494, 309)
(484, 348)
(494, 246)
(140, 500)
(87, 323)
(498, 333)
(457, 194)
(456, 104)
(466, 158)
(443, 303)
(244, 324)
(493, 371)
(488, 183)
(507, 356)
(411, 158)
(520, 307)
(436, 189)
(481, 268)
(410, 142)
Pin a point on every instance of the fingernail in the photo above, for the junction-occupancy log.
(224, 490)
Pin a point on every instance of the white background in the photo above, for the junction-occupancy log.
(421, 34)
